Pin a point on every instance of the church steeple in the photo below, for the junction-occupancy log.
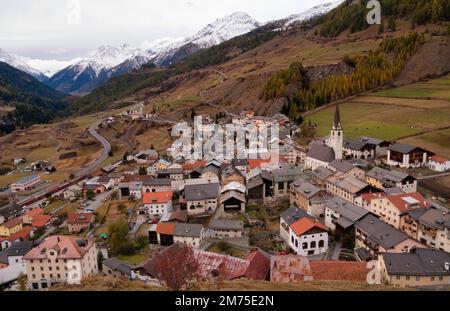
(337, 118)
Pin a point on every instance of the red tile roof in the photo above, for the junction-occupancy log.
(399, 201)
(67, 247)
(305, 224)
(83, 218)
(12, 222)
(257, 163)
(21, 234)
(339, 271)
(368, 197)
(259, 266)
(438, 159)
(165, 228)
(193, 166)
(34, 212)
(157, 197)
(40, 221)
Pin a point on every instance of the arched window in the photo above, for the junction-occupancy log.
(305, 245)
(313, 244)
(321, 243)
(192, 206)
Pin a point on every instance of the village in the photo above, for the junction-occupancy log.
(336, 209)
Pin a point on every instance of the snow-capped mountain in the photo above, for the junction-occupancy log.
(18, 63)
(318, 10)
(48, 66)
(107, 61)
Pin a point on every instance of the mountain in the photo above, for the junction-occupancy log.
(29, 100)
(18, 63)
(107, 61)
(48, 66)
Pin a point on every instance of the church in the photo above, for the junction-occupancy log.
(322, 153)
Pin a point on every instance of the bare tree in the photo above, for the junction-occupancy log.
(176, 268)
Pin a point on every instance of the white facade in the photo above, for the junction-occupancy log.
(312, 164)
(405, 163)
(439, 166)
(308, 244)
(201, 207)
(159, 209)
(189, 241)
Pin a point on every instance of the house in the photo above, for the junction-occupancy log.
(71, 193)
(117, 268)
(189, 167)
(259, 186)
(131, 170)
(282, 178)
(381, 179)
(25, 184)
(290, 269)
(308, 237)
(157, 204)
(225, 229)
(439, 164)
(308, 197)
(94, 188)
(11, 261)
(27, 218)
(287, 218)
(78, 222)
(156, 185)
(41, 166)
(292, 152)
(377, 237)
(143, 157)
(241, 165)
(345, 168)
(390, 208)
(319, 154)
(10, 211)
(108, 182)
(320, 176)
(188, 234)
(161, 233)
(171, 173)
(406, 156)
(130, 190)
(434, 229)
(231, 174)
(161, 164)
(201, 199)
(61, 259)
(177, 216)
(358, 149)
(232, 199)
(341, 215)
(380, 146)
(349, 188)
(425, 268)
(211, 171)
(10, 227)
(22, 235)
(41, 221)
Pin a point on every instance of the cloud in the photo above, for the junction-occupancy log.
(58, 51)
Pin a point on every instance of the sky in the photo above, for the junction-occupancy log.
(65, 29)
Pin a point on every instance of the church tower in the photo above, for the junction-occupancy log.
(336, 140)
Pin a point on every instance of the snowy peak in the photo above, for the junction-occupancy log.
(318, 10)
(18, 63)
(224, 29)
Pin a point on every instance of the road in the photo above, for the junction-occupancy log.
(97, 201)
(105, 154)
(433, 176)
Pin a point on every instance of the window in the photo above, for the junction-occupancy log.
(417, 278)
(398, 277)
(313, 244)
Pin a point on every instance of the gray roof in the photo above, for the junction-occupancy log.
(27, 179)
(349, 184)
(429, 262)
(354, 144)
(435, 218)
(402, 148)
(342, 166)
(20, 248)
(371, 140)
(224, 224)
(188, 230)
(292, 214)
(132, 185)
(10, 210)
(321, 152)
(230, 170)
(4, 257)
(118, 265)
(201, 192)
(346, 209)
(379, 232)
(322, 173)
(286, 175)
(304, 188)
(387, 176)
(157, 182)
(171, 171)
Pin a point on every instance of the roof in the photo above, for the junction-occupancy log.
(304, 225)
(379, 232)
(403, 148)
(339, 271)
(321, 152)
(292, 214)
(290, 268)
(170, 171)
(322, 173)
(230, 170)
(83, 218)
(388, 176)
(439, 159)
(435, 218)
(179, 215)
(118, 265)
(40, 221)
(407, 201)
(348, 183)
(201, 192)
(21, 234)
(4, 257)
(224, 224)
(259, 266)
(157, 197)
(257, 163)
(234, 186)
(371, 140)
(27, 179)
(157, 182)
(232, 194)
(34, 212)
(188, 230)
(305, 189)
(346, 209)
(354, 144)
(194, 165)
(165, 228)
(342, 166)
(19, 248)
(67, 247)
(419, 262)
(286, 174)
(10, 210)
(12, 223)
(233, 267)
(337, 118)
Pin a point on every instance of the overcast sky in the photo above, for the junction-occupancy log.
(52, 29)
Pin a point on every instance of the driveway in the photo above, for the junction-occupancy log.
(97, 201)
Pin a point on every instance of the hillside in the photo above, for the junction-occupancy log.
(28, 100)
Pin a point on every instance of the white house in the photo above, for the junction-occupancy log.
(406, 156)
(25, 184)
(438, 164)
(308, 237)
(188, 234)
(157, 204)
